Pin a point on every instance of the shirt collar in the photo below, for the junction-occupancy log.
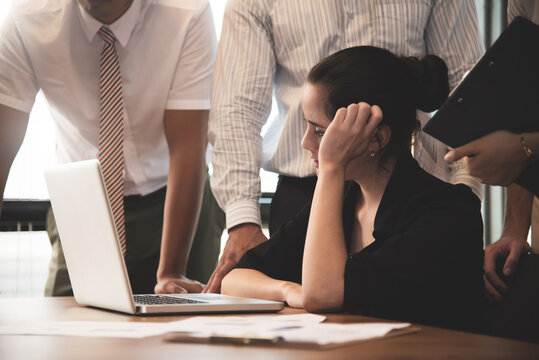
(122, 28)
(404, 181)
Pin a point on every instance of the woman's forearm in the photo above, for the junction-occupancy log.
(325, 252)
(254, 284)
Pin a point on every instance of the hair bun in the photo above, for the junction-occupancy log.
(430, 81)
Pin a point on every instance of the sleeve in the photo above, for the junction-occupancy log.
(436, 248)
(518, 8)
(190, 89)
(18, 86)
(281, 257)
(241, 102)
(452, 33)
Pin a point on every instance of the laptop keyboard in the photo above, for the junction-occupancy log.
(161, 299)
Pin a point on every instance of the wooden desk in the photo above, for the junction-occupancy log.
(429, 343)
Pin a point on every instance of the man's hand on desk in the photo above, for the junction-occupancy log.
(240, 239)
(177, 285)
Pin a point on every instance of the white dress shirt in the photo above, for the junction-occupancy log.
(267, 47)
(166, 51)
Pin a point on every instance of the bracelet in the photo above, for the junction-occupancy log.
(527, 150)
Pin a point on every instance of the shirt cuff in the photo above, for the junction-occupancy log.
(242, 212)
(16, 104)
(188, 104)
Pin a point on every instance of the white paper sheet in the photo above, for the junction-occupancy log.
(324, 334)
(300, 328)
(86, 328)
(232, 325)
(213, 324)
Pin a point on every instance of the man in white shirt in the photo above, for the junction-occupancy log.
(166, 54)
(267, 48)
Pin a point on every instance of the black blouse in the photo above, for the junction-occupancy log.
(425, 264)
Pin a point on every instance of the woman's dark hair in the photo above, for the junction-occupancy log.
(399, 85)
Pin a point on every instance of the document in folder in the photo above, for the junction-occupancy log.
(501, 92)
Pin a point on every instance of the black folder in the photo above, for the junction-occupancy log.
(501, 92)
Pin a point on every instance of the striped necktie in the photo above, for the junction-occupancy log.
(111, 130)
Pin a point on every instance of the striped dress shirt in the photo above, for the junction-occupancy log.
(267, 47)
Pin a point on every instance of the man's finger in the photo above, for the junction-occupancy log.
(191, 286)
(460, 152)
(491, 274)
(209, 285)
(496, 282)
(219, 276)
(490, 291)
(511, 262)
(214, 285)
(173, 288)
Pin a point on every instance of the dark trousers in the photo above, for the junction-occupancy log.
(144, 225)
(291, 195)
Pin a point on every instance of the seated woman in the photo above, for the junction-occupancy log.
(382, 237)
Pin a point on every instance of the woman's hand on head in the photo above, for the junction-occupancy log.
(348, 135)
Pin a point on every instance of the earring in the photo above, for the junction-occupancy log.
(373, 154)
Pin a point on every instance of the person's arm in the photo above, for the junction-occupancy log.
(325, 250)
(185, 127)
(185, 131)
(452, 33)
(255, 284)
(18, 88)
(240, 239)
(511, 245)
(325, 253)
(13, 125)
(242, 88)
(519, 8)
(499, 157)
(272, 270)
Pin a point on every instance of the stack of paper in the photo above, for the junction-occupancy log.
(294, 330)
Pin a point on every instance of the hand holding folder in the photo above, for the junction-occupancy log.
(501, 92)
(496, 159)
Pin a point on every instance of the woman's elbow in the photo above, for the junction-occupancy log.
(323, 295)
(320, 304)
(228, 284)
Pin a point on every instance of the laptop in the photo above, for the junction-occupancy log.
(94, 258)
